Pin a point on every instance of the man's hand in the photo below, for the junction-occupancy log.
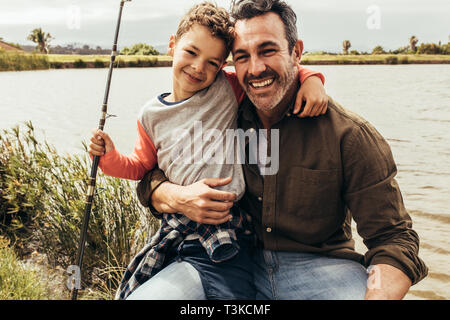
(387, 283)
(313, 92)
(198, 201)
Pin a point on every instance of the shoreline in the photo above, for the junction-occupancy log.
(27, 62)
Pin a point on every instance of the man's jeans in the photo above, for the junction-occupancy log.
(281, 275)
(278, 275)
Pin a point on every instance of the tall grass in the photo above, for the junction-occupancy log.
(16, 282)
(10, 61)
(42, 198)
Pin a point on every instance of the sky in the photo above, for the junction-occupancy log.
(322, 24)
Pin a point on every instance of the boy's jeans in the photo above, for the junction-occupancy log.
(177, 281)
(278, 275)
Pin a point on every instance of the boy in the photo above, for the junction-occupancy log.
(170, 135)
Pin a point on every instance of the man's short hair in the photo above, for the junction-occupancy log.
(217, 20)
(247, 9)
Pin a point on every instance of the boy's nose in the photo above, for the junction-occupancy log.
(198, 67)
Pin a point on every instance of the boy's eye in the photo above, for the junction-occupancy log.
(214, 64)
(190, 52)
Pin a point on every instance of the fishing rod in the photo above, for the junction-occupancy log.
(92, 180)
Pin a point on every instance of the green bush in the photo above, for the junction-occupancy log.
(56, 65)
(42, 199)
(79, 63)
(378, 50)
(140, 49)
(391, 60)
(404, 60)
(433, 48)
(99, 63)
(16, 282)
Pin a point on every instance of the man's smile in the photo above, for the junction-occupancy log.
(259, 84)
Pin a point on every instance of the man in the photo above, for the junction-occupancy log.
(330, 169)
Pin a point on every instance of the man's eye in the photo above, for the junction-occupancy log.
(240, 58)
(213, 64)
(269, 51)
(191, 52)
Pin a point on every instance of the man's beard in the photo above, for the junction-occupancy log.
(280, 87)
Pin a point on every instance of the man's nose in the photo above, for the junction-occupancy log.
(257, 66)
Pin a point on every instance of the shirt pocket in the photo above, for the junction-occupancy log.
(313, 194)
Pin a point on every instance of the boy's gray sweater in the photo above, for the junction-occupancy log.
(191, 136)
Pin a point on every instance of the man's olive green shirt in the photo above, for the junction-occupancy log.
(332, 168)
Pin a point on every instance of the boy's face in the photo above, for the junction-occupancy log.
(197, 58)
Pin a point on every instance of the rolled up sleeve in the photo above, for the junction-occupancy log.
(376, 204)
(145, 188)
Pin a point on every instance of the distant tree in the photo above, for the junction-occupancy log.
(346, 45)
(41, 38)
(401, 50)
(413, 43)
(429, 48)
(354, 52)
(378, 50)
(140, 49)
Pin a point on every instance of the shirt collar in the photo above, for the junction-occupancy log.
(249, 111)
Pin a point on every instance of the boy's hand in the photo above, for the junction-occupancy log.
(313, 92)
(101, 143)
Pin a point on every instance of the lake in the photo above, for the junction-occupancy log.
(408, 104)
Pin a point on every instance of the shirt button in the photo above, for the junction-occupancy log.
(251, 130)
(259, 199)
(288, 114)
(269, 229)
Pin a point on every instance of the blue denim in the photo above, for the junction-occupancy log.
(191, 275)
(177, 281)
(307, 276)
(278, 275)
(231, 279)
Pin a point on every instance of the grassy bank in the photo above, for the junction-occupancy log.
(42, 198)
(22, 61)
(10, 61)
(328, 59)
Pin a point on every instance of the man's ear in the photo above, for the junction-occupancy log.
(297, 50)
(171, 48)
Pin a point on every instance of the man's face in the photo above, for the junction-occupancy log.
(264, 67)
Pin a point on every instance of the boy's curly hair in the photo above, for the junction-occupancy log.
(209, 15)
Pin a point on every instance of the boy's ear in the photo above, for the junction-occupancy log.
(297, 51)
(171, 48)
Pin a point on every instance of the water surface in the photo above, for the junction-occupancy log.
(408, 104)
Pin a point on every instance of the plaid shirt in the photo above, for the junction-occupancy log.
(220, 242)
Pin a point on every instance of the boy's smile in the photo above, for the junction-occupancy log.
(197, 58)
